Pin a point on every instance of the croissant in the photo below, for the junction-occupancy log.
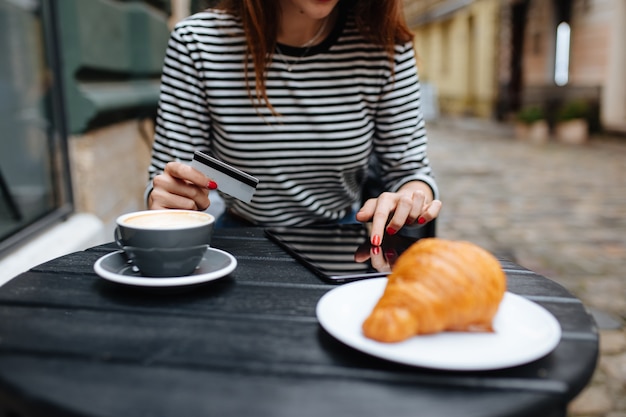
(438, 285)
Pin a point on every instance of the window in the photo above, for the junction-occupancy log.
(34, 175)
(561, 62)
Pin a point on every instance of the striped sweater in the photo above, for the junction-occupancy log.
(337, 103)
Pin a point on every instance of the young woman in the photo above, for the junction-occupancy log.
(300, 94)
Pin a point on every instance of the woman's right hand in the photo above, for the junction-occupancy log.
(180, 187)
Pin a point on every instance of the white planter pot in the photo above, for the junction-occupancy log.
(574, 131)
(537, 132)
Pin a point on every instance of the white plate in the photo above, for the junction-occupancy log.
(524, 331)
(215, 264)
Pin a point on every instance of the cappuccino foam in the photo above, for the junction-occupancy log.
(164, 220)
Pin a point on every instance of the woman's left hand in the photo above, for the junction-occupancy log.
(389, 212)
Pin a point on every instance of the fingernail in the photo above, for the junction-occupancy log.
(391, 231)
(421, 220)
(211, 185)
(376, 250)
(376, 240)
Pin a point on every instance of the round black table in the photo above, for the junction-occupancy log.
(74, 344)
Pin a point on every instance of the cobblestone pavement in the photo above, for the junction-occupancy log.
(557, 209)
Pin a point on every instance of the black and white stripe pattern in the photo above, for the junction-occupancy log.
(340, 102)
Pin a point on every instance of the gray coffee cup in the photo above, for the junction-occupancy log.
(165, 243)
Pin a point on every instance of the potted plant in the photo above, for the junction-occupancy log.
(531, 125)
(572, 124)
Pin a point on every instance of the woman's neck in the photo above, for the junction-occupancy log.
(300, 30)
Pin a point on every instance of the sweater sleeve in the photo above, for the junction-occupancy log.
(182, 122)
(400, 143)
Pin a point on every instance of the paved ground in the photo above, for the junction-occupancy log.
(557, 209)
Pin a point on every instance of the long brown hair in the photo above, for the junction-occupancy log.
(380, 21)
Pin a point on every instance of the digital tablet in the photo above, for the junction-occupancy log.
(330, 251)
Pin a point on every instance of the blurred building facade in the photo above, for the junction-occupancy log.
(489, 58)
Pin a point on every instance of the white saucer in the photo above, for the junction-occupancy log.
(215, 264)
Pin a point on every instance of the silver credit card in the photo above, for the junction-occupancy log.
(230, 180)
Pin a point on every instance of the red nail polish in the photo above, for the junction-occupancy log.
(391, 231)
(376, 240)
(211, 185)
(421, 220)
(376, 250)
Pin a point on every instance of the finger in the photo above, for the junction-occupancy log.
(385, 204)
(417, 207)
(366, 212)
(173, 192)
(431, 212)
(163, 199)
(407, 205)
(187, 173)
